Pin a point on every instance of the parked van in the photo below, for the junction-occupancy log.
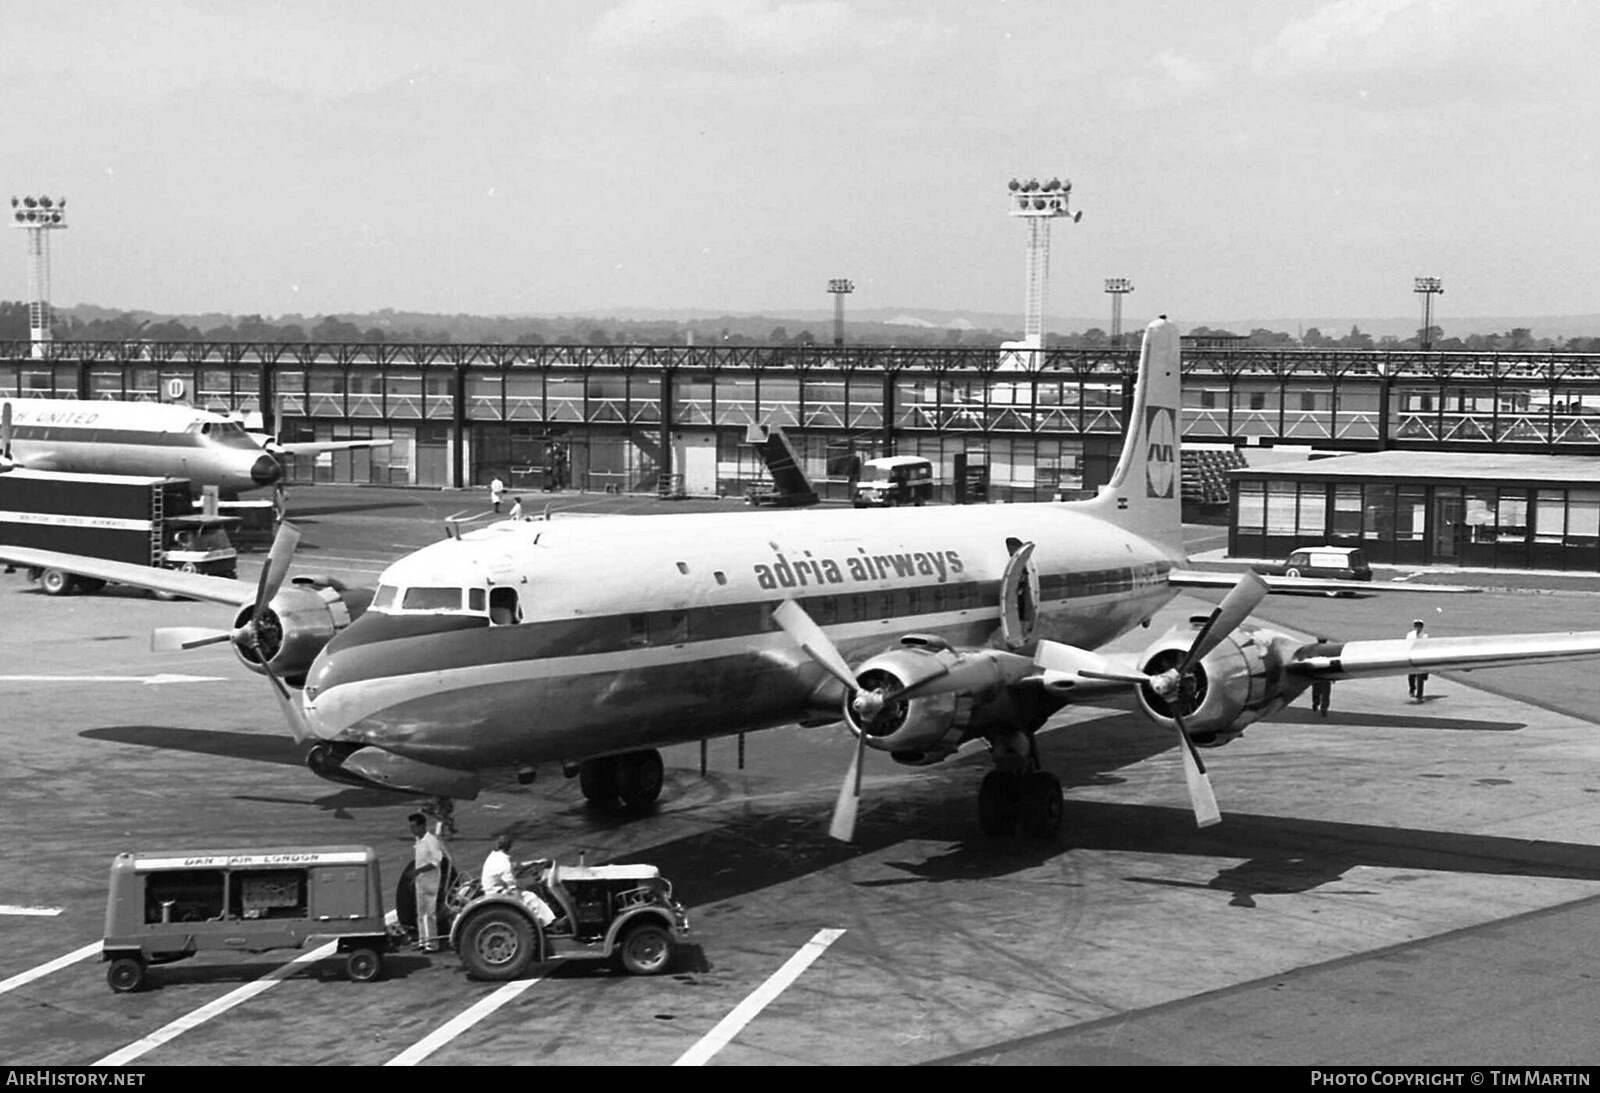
(894, 480)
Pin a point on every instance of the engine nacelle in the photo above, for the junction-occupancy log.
(301, 619)
(1239, 682)
(923, 729)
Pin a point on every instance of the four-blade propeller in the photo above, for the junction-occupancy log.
(249, 635)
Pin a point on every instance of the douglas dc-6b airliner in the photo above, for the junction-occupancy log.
(595, 642)
(149, 439)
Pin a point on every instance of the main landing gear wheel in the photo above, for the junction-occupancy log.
(1041, 805)
(640, 775)
(999, 803)
(598, 780)
(635, 777)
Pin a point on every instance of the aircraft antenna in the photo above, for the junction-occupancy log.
(37, 216)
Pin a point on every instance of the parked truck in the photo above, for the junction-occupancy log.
(120, 518)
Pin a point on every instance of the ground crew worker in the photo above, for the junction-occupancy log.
(428, 860)
(496, 488)
(1416, 680)
(500, 877)
(516, 508)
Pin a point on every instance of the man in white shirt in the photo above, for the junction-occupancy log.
(428, 859)
(1416, 680)
(496, 488)
(500, 877)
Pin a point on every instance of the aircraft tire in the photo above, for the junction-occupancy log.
(598, 780)
(999, 802)
(497, 944)
(646, 949)
(1041, 805)
(639, 777)
(56, 582)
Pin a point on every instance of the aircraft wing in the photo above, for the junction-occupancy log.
(1194, 578)
(314, 447)
(1397, 656)
(196, 586)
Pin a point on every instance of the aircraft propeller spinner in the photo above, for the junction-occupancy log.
(980, 669)
(1177, 685)
(248, 635)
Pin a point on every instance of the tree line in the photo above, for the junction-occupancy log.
(88, 323)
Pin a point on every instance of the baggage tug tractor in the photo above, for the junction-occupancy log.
(117, 518)
(624, 913)
(169, 906)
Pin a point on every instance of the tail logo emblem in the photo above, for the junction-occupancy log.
(1161, 452)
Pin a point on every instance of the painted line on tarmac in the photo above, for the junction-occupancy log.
(24, 978)
(460, 1023)
(746, 1011)
(156, 680)
(17, 909)
(222, 1005)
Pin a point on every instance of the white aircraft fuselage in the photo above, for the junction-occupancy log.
(647, 631)
(138, 438)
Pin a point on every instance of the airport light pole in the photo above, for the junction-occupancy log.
(1118, 287)
(37, 216)
(1038, 203)
(1427, 288)
(840, 287)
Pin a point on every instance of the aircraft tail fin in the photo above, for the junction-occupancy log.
(1145, 493)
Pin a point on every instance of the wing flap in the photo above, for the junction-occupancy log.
(196, 586)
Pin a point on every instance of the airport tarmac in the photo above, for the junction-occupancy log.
(1395, 883)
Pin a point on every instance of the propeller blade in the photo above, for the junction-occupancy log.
(299, 727)
(843, 826)
(1057, 657)
(173, 639)
(1235, 607)
(1201, 799)
(809, 636)
(5, 432)
(277, 567)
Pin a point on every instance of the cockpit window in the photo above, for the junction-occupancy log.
(229, 434)
(385, 598)
(431, 599)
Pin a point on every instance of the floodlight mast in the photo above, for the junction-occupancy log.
(1427, 288)
(840, 287)
(1118, 287)
(37, 216)
(1038, 203)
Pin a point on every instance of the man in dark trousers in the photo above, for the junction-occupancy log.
(1417, 680)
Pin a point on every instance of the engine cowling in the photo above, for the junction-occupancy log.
(922, 729)
(1239, 682)
(301, 619)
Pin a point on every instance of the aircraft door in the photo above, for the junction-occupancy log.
(1019, 595)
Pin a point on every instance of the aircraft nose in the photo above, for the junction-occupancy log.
(265, 471)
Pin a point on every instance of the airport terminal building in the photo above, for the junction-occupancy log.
(674, 420)
(1475, 509)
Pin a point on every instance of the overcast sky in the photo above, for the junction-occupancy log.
(1239, 158)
